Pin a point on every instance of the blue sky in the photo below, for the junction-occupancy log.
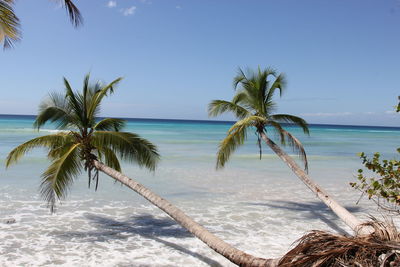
(341, 58)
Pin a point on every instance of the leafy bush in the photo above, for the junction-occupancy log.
(384, 189)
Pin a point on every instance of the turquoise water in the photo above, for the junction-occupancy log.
(257, 205)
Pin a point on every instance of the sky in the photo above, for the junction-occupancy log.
(341, 58)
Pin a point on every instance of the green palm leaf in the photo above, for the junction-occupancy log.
(278, 84)
(73, 12)
(59, 176)
(99, 95)
(109, 157)
(230, 143)
(287, 138)
(297, 147)
(128, 146)
(55, 109)
(292, 120)
(110, 124)
(74, 104)
(48, 141)
(9, 24)
(236, 136)
(218, 107)
(239, 78)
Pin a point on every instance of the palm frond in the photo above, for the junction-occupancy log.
(128, 146)
(98, 96)
(278, 84)
(292, 120)
(279, 131)
(242, 98)
(110, 159)
(110, 124)
(84, 97)
(287, 138)
(239, 78)
(73, 101)
(58, 149)
(90, 95)
(73, 12)
(266, 72)
(252, 92)
(9, 24)
(230, 143)
(319, 248)
(254, 120)
(261, 81)
(59, 176)
(217, 107)
(269, 107)
(55, 109)
(236, 136)
(47, 141)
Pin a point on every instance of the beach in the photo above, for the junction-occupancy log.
(256, 205)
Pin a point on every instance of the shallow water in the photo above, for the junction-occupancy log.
(257, 206)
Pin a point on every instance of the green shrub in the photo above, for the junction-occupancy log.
(384, 187)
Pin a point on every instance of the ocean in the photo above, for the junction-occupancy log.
(259, 206)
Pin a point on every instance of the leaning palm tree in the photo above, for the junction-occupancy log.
(254, 106)
(85, 142)
(10, 24)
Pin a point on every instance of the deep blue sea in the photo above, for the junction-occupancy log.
(257, 205)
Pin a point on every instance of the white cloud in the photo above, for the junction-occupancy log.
(111, 4)
(128, 11)
(178, 7)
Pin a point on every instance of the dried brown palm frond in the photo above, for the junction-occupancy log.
(320, 248)
(384, 231)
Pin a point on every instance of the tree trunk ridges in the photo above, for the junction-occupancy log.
(340, 211)
(234, 255)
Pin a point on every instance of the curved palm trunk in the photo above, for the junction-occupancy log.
(234, 255)
(340, 211)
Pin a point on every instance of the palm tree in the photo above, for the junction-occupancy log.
(10, 24)
(86, 142)
(254, 107)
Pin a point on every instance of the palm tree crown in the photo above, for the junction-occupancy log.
(253, 105)
(83, 140)
(10, 25)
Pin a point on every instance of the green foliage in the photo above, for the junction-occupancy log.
(253, 106)
(58, 177)
(10, 25)
(386, 184)
(384, 187)
(236, 136)
(398, 106)
(83, 139)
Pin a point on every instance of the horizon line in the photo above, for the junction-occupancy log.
(216, 121)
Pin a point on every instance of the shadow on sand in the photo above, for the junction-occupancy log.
(145, 225)
(310, 211)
